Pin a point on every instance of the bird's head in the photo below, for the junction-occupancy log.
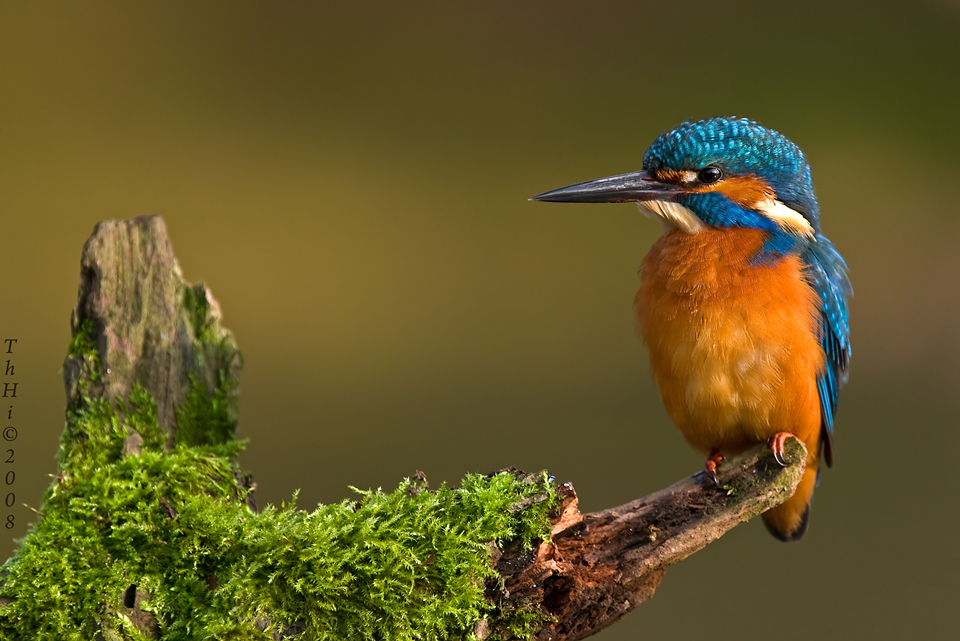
(719, 173)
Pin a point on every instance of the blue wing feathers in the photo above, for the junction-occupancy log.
(828, 276)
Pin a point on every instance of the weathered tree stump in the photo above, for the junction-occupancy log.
(150, 326)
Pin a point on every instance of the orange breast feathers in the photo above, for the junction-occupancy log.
(733, 344)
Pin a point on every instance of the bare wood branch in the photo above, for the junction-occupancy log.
(600, 566)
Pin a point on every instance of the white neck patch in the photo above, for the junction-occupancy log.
(789, 220)
(673, 215)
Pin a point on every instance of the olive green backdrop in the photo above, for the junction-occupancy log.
(350, 179)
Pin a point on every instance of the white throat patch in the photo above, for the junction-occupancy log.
(673, 215)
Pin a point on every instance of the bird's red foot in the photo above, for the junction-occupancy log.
(776, 443)
(710, 467)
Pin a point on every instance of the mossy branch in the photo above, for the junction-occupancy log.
(150, 529)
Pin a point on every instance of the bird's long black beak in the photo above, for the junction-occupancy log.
(633, 187)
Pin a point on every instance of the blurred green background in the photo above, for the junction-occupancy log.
(350, 179)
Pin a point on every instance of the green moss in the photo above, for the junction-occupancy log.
(206, 419)
(407, 564)
(141, 416)
(84, 347)
(197, 307)
(173, 523)
(208, 414)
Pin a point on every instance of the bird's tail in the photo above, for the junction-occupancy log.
(788, 521)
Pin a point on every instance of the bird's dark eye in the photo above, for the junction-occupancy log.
(709, 175)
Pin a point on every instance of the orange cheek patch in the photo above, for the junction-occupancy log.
(745, 191)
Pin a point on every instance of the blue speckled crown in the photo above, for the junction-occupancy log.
(738, 146)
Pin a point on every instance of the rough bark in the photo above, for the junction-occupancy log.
(599, 566)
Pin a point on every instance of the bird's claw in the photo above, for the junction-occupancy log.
(710, 467)
(777, 443)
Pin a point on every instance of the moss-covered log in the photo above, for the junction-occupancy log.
(150, 531)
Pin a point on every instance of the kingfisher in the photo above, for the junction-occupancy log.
(743, 300)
